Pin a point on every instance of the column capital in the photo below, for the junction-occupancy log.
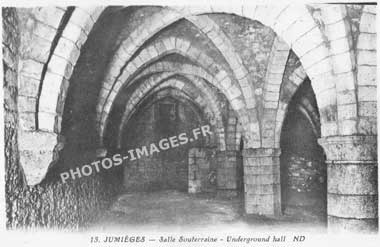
(350, 148)
(38, 152)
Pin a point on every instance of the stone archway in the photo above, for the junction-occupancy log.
(57, 65)
(302, 161)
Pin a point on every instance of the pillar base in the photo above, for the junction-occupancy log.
(339, 224)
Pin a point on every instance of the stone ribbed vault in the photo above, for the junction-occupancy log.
(244, 91)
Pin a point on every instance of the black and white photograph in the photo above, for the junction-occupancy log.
(247, 124)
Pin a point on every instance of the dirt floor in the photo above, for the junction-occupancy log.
(182, 210)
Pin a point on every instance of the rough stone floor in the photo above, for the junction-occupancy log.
(181, 210)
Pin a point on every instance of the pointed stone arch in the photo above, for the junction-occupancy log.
(205, 99)
(221, 80)
(177, 86)
(367, 71)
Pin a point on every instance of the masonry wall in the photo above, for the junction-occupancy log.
(89, 55)
(203, 169)
(167, 169)
(253, 42)
(51, 203)
(306, 182)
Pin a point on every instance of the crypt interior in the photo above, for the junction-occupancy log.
(289, 92)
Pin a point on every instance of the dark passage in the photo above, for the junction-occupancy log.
(152, 122)
(303, 170)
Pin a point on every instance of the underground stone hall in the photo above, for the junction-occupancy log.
(178, 116)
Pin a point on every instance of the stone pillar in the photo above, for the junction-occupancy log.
(227, 173)
(352, 197)
(202, 171)
(262, 181)
(196, 157)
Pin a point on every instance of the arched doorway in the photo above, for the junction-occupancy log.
(302, 160)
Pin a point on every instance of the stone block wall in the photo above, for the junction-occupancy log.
(244, 62)
(262, 193)
(50, 203)
(169, 168)
(305, 175)
(304, 182)
(202, 170)
(228, 173)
